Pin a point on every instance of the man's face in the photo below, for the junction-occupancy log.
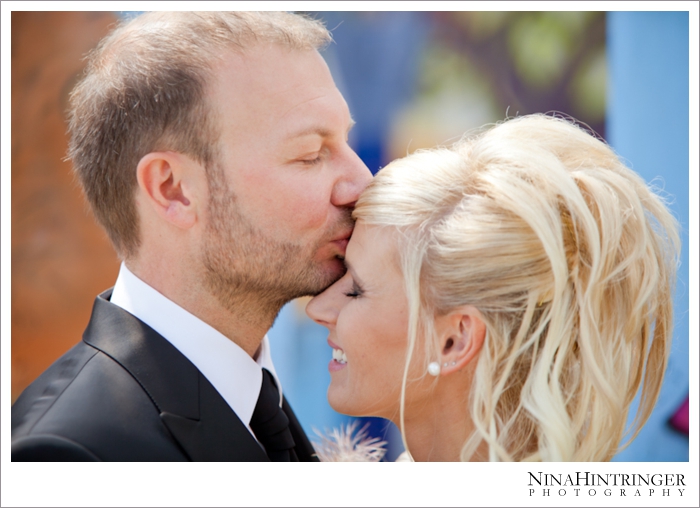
(282, 193)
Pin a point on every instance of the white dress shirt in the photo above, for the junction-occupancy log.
(232, 372)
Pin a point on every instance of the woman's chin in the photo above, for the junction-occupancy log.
(351, 404)
(343, 403)
(338, 402)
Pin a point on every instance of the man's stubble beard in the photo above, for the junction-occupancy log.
(246, 268)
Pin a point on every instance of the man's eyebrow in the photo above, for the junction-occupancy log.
(320, 131)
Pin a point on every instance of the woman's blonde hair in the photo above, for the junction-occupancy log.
(569, 256)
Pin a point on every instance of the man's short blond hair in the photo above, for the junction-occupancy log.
(144, 90)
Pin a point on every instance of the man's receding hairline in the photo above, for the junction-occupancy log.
(215, 49)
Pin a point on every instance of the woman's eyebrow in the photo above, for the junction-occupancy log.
(352, 271)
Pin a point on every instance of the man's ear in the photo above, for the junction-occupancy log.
(167, 182)
(462, 333)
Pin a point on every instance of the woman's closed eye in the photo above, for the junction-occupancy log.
(355, 291)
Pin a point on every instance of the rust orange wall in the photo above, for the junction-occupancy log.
(61, 259)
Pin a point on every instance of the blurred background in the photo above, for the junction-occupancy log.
(412, 80)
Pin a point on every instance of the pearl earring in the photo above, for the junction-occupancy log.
(434, 369)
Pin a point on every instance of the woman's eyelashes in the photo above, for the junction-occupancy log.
(355, 291)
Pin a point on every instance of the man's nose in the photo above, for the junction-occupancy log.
(353, 180)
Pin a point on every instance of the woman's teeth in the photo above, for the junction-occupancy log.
(339, 356)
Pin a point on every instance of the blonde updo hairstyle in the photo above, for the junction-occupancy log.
(570, 258)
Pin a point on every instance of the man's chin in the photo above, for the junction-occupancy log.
(325, 276)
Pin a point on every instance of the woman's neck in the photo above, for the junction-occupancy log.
(438, 428)
(436, 437)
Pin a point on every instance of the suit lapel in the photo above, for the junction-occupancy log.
(218, 435)
(190, 407)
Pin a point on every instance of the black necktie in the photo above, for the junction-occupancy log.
(270, 425)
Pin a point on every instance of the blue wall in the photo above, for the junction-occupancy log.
(647, 124)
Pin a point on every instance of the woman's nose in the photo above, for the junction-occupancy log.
(322, 310)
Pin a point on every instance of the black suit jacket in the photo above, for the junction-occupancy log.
(126, 394)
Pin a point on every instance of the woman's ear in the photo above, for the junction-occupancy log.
(166, 181)
(462, 333)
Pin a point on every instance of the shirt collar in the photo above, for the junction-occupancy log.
(232, 372)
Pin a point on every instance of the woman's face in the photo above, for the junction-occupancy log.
(366, 313)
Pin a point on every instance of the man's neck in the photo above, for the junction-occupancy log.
(245, 321)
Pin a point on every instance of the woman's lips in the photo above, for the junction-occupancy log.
(339, 360)
(335, 366)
